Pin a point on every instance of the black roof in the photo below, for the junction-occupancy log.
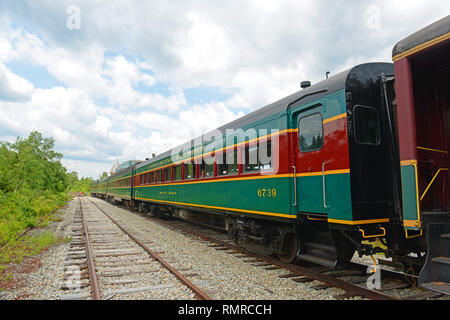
(426, 34)
(322, 88)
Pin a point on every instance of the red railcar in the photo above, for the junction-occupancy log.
(422, 85)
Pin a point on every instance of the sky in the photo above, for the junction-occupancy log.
(120, 80)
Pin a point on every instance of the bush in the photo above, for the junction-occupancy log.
(33, 184)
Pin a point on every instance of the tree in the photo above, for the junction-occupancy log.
(31, 164)
(104, 175)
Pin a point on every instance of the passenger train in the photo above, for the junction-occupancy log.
(355, 163)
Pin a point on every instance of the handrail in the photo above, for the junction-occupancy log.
(375, 235)
(295, 186)
(432, 180)
(323, 185)
(315, 219)
(435, 150)
(413, 236)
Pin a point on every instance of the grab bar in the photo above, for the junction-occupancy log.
(295, 186)
(432, 180)
(323, 185)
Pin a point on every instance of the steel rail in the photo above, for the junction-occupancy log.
(197, 291)
(95, 290)
(350, 288)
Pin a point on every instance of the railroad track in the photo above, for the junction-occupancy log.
(352, 280)
(107, 261)
(294, 272)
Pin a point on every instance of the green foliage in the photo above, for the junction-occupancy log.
(19, 211)
(31, 163)
(104, 175)
(78, 185)
(33, 184)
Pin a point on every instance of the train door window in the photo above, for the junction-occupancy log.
(177, 173)
(367, 129)
(310, 133)
(189, 170)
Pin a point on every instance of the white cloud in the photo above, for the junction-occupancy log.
(258, 51)
(205, 47)
(13, 87)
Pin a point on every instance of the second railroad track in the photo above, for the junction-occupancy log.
(109, 262)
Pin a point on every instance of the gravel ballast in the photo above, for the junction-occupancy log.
(221, 275)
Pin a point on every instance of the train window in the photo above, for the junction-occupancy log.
(251, 158)
(189, 170)
(206, 170)
(227, 162)
(141, 179)
(159, 175)
(310, 133)
(265, 155)
(367, 129)
(177, 173)
(168, 174)
(152, 177)
(258, 158)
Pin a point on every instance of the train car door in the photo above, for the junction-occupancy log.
(322, 160)
(311, 161)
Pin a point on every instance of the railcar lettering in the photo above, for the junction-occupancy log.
(267, 193)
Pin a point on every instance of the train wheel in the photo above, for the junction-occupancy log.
(289, 249)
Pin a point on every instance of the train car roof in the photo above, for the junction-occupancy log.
(435, 30)
(316, 91)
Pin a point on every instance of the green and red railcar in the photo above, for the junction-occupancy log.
(360, 156)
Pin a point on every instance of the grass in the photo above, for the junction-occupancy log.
(21, 212)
